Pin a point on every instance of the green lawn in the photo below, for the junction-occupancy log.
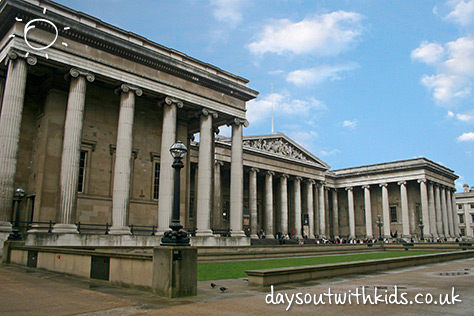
(236, 269)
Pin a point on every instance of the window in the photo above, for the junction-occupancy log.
(462, 232)
(472, 205)
(461, 219)
(459, 206)
(191, 206)
(225, 210)
(472, 218)
(82, 171)
(156, 180)
(393, 214)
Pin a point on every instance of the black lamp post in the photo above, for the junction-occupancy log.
(379, 224)
(176, 237)
(15, 235)
(421, 225)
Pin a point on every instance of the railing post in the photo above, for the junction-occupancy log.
(131, 229)
(50, 228)
(153, 230)
(79, 227)
(106, 228)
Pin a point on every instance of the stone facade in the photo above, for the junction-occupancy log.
(86, 126)
(464, 209)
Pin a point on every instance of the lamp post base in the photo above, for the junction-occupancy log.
(175, 238)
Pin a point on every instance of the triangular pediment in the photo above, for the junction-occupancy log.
(281, 145)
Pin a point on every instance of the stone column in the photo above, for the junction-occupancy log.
(10, 125)
(269, 205)
(123, 160)
(350, 207)
(404, 204)
(385, 210)
(217, 194)
(439, 216)
(468, 220)
(310, 208)
(449, 205)
(455, 213)
(166, 185)
(444, 212)
(432, 211)
(424, 208)
(237, 179)
(204, 188)
(327, 211)
(253, 202)
(284, 204)
(335, 214)
(69, 176)
(368, 212)
(297, 188)
(322, 211)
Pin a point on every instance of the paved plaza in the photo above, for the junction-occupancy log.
(33, 292)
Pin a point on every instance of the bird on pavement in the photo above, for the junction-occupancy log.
(213, 285)
(223, 289)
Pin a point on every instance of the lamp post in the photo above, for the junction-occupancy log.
(176, 237)
(15, 235)
(421, 225)
(379, 224)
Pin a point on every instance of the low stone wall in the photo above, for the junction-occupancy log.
(269, 277)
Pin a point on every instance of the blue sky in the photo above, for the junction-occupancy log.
(356, 82)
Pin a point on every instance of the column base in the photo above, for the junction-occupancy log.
(270, 236)
(65, 229)
(5, 227)
(298, 236)
(254, 236)
(369, 236)
(120, 230)
(237, 233)
(204, 233)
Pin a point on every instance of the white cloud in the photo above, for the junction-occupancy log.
(454, 66)
(350, 124)
(323, 35)
(332, 152)
(228, 11)
(319, 74)
(429, 53)
(304, 138)
(225, 131)
(261, 108)
(276, 72)
(465, 117)
(466, 137)
(463, 12)
(450, 114)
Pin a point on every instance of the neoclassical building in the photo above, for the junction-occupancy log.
(465, 211)
(89, 112)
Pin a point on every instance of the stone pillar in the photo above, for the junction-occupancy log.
(269, 205)
(310, 208)
(69, 176)
(455, 213)
(237, 179)
(404, 204)
(297, 188)
(253, 202)
(449, 205)
(10, 125)
(217, 194)
(424, 208)
(444, 212)
(385, 210)
(350, 207)
(322, 211)
(368, 212)
(166, 185)
(204, 188)
(327, 211)
(335, 214)
(439, 216)
(468, 220)
(123, 160)
(432, 210)
(284, 204)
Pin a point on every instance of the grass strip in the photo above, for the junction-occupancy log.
(236, 269)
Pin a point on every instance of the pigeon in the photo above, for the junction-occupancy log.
(223, 289)
(213, 285)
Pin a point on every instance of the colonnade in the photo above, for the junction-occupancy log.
(10, 124)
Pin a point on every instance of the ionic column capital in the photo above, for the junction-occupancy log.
(237, 121)
(76, 73)
(256, 170)
(270, 173)
(383, 185)
(15, 54)
(327, 188)
(206, 112)
(366, 186)
(422, 181)
(310, 181)
(284, 175)
(298, 178)
(349, 188)
(402, 183)
(218, 162)
(170, 100)
(125, 87)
